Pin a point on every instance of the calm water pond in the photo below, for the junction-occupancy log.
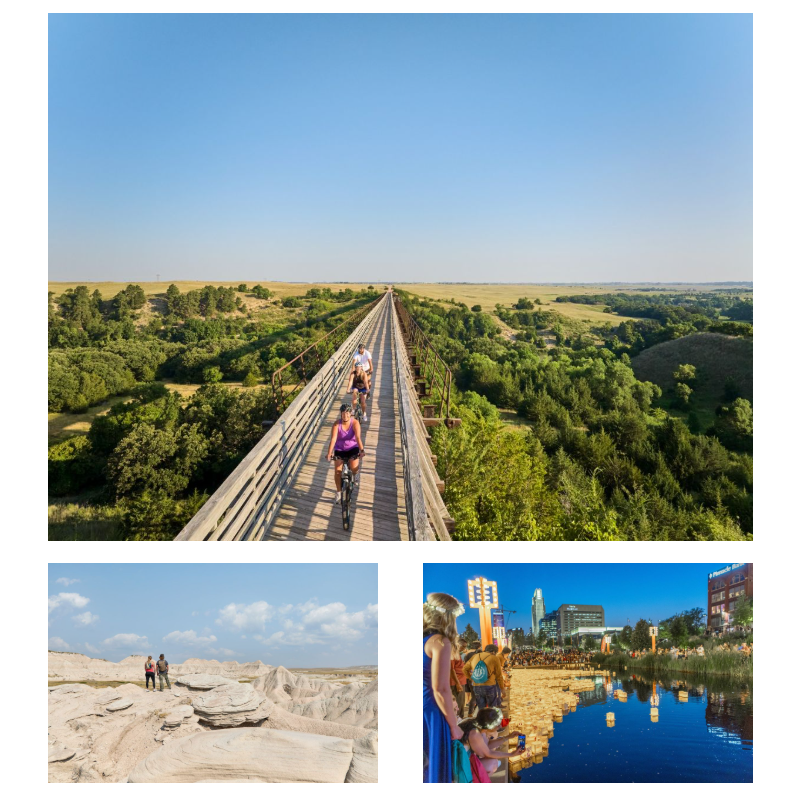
(706, 739)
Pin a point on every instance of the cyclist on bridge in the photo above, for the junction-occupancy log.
(359, 383)
(345, 444)
(363, 357)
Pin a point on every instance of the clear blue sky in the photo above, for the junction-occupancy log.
(626, 591)
(297, 615)
(461, 147)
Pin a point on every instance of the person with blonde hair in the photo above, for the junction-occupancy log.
(150, 673)
(440, 727)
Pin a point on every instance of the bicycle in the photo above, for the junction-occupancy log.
(346, 491)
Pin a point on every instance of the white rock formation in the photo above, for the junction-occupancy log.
(231, 706)
(194, 732)
(75, 666)
(201, 682)
(251, 754)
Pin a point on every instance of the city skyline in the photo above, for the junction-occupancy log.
(623, 590)
(521, 148)
(295, 615)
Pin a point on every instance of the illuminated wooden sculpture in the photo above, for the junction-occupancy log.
(483, 596)
(653, 634)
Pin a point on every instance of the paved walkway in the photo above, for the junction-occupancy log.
(378, 507)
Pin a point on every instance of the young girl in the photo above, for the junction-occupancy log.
(440, 728)
(479, 736)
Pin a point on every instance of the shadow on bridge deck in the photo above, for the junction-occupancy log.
(378, 508)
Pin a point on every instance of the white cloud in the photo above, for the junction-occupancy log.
(91, 649)
(239, 616)
(285, 608)
(189, 638)
(334, 621)
(86, 618)
(128, 641)
(225, 651)
(67, 599)
(322, 624)
(56, 643)
(67, 581)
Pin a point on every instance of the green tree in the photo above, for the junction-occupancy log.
(589, 643)
(477, 307)
(734, 425)
(640, 639)
(626, 636)
(470, 634)
(212, 374)
(567, 641)
(743, 614)
(683, 393)
(242, 288)
(250, 380)
(685, 372)
(518, 638)
(678, 630)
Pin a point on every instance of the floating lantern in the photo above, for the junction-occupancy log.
(654, 711)
(654, 719)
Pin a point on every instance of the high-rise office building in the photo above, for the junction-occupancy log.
(572, 617)
(538, 611)
(549, 625)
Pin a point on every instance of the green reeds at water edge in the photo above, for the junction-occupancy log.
(716, 663)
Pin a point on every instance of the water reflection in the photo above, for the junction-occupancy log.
(666, 729)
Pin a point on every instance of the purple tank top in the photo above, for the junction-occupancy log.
(346, 440)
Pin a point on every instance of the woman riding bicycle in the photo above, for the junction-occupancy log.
(359, 383)
(346, 446)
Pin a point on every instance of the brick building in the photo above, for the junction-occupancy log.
(725, 586)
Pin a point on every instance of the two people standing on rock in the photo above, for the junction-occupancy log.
(160, 667)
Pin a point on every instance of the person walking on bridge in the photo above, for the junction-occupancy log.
(345, 444)
(163, 668)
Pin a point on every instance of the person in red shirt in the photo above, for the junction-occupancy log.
(458, 678)
(150, 673)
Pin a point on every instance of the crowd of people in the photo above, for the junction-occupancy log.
(463, 685)
(547, 658)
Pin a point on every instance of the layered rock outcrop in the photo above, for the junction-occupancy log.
(75, 666)
(249, 753)
(214, 728)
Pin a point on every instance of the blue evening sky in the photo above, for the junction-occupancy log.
(297, 615)
(531, 148)
(626, 591)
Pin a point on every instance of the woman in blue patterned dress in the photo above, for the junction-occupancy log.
(439, 723)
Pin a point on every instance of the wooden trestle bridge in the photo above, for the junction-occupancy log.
(284, 488)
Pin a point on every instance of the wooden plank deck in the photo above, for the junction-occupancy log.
(378, 508)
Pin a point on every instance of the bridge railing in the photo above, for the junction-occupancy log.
(427, 516)
(432, 376)
(244, 505)
(301, 369)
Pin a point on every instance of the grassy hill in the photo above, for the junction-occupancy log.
(716, 356)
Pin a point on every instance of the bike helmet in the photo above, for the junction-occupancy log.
(345, 408)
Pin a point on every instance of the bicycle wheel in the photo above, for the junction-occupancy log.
(345, 504)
